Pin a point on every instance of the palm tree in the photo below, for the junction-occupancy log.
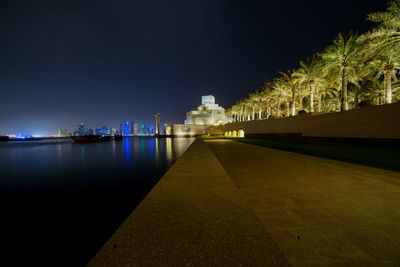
(384, 43)
(384, 60)
(278, 93)
(342, 55)
(267, 93)
(303, 92)
(236, 109)
(327, 88)
(258, 99)
(396, 89)
(248, 107)
(363, 82)
(309, 73)
(290, 82)
(239, 106)
(331, 101)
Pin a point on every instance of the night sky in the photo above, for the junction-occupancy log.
(103, 62)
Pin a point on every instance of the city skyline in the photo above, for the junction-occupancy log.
(65, 62)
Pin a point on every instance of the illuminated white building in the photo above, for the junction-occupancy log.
(208, 113)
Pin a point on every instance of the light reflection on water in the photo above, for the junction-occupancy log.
(127, 150)
(60, 195)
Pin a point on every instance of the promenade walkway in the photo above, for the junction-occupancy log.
(225, 203)
(194, 216)
(318, 211)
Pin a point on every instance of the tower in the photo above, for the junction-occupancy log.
(157, 123)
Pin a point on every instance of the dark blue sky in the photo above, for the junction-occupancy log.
(103, 62)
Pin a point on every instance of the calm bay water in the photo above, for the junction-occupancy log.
(61, 201)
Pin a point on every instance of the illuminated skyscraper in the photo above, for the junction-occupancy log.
(142, 129)
(157, 123)
(82, 131)
(126, 128)
(62, 132)
(132, 129)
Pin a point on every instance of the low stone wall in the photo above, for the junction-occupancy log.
(188, 130)
(216, 130)
(378, 122)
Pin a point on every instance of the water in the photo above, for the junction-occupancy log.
(61, 201)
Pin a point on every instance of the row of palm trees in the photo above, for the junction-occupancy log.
(355, 71)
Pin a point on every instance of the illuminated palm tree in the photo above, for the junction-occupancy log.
(384, 61)
(240, 108)
(278, 93)
(249, 107)
(362, 83)
(328, 88)
(396, 89)
(258, 97)
(290, 82)
(303, 92)
(309, 73)
(384, 43)
(254, 102)
(342, 55)
(235, 108)
(267, 93)
(331, 102)
(287, 100)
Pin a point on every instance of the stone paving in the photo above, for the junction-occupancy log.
(318, 211)
(195, 216)
(225, 203)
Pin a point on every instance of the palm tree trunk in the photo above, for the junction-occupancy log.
(388, 83)
(268, 109)
(300, 103)
(254, 113)
(287, 108)
(319, 101)
(293, 103)
(278, 106)
(260, 111)
(312, 96)
(343, 99)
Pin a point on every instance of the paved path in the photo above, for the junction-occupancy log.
(318, 211)
(225, 203)
(195, 216)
